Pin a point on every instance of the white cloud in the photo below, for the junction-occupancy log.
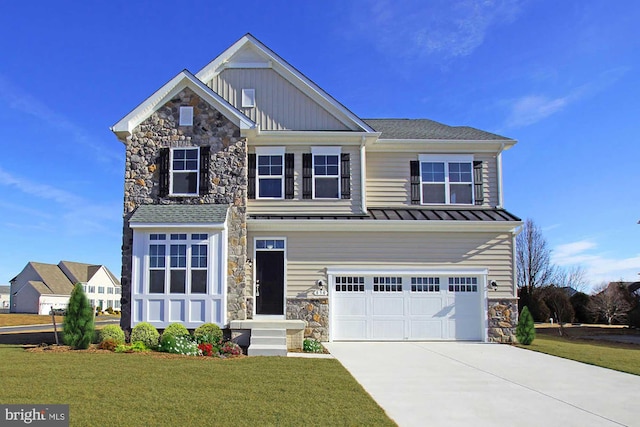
(444, 28)
(600, 267)
(43, 191)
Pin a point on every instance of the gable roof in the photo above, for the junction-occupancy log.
(180, 214)
(79, 272)
(182, 80)
(53, 278)
(430, 130)
(249, 52)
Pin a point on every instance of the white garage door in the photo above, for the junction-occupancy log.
(407, 307)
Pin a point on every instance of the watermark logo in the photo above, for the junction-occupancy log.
(36, 415)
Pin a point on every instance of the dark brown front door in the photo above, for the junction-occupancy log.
(270, 282)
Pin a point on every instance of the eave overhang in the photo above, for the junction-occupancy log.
(292, 137)
(440, 145)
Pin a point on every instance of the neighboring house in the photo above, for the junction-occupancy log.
(255, 200)
(41, 287)
(5, 291)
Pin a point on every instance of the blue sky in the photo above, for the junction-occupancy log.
(561, 77)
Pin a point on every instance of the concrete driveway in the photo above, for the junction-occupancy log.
(476, 384)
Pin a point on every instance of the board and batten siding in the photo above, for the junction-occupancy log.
(279, 104)
(389, 178)
(298, 205)
(310, 253)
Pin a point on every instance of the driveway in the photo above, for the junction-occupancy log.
(476, 384)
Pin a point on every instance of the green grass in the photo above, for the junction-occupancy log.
(621, 357)
(140, 389)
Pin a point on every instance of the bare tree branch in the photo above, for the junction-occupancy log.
(533, 257)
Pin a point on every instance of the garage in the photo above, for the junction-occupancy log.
(395, 306)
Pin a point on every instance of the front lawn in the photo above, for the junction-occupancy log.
(19, 319)
(143, 389)
(621, 357)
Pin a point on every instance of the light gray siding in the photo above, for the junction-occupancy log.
(311, 206)
(279, 104)
(310, 253)
(388, 179)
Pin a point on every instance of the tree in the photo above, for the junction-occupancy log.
(609, 303)
(557, 299)
(78, 322)
(580, 303)
(533, 259)
(526, 330)
(574, 278)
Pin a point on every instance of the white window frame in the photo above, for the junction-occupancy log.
(186, 116)
(248, 98)
(269, 151)
(326, 151)
(196, 171)
(446, 159)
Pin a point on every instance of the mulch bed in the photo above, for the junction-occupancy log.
(94, 349)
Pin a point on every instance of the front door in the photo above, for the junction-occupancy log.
(270, 282)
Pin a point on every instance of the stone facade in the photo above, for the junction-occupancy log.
(227, 184)
(503, 319)
(315, 312)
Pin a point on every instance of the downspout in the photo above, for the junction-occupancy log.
(499, 161)
(363, 175)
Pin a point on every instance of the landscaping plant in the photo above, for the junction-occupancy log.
(311, 345)
(208, 333)
(175, 329)
(181, 344)
(112, 332)
(230, 348)
(525, 331)
(78, 322)
(145, 333)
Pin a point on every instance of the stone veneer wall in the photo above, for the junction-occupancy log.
(503, 319)
(315, 312)
(228, 184)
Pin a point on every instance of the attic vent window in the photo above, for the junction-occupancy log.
(186, 116)
(248, 98)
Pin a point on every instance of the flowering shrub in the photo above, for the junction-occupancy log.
(182, 344)
(145, 333)
(230, 348)
(208, 333)
(311, 346)
(207, 349)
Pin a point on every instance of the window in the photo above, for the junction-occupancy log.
(84, 288)
(387, 284)
(326, 172)
(270, 244)
(117, 291)
(92, 289)
(349, 284)
(248, 98)
(425, 284)
(116, 304)
(463, 284)
(92, 302)
(270, 165)
(101, 289)
(446, 179)
(186, 116)
(186, 256)
(110, 290)
(184, 171)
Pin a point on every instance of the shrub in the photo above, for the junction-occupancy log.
(136, 347)
(311, 345)
(181, 344)
(146, 334)
(175, 329)
(208, 333)
(109, 310)
(525, 331)
(208, 349)
(109, 344)
(112, 332)
(78, 323)
(230, 348)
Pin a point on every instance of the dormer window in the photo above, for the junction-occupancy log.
(186, 116)
(248, 98)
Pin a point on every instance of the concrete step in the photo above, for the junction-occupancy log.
(277, 341)
(269, 332)
(267, 350)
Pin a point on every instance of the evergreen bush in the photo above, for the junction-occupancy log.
(208, 333)
(175, 329)
(145, 333)
(78, 322)
(112, 332)
(525, 331)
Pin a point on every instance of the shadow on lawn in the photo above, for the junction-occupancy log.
(35, 338)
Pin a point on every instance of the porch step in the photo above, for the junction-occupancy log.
(268, 342)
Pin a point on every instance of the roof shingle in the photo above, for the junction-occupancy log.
(428, 129)
(180, 214)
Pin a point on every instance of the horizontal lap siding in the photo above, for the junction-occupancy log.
(279, 104)
(309, 254)
(388, 179)
(309, 206)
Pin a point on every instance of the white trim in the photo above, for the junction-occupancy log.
(326, 151)
(391, 270)
(196, 171)
(172, 225)
(434, 145)
(363, 175)
(446, 160)
(269, 151)
(284, 277)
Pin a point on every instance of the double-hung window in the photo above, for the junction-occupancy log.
(181, 261)
(270, 176)
(326, 172)
(446, 179)
(184, 171)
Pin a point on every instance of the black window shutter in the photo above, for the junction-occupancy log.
(204, 169)
(251, 175)
(478, 182)
(415, 182)
(307, 176)
(288, 175)
(163, 165)
(345, 176)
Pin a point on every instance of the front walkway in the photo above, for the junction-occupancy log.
(475, 384)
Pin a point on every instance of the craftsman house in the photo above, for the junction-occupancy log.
(255, 200)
